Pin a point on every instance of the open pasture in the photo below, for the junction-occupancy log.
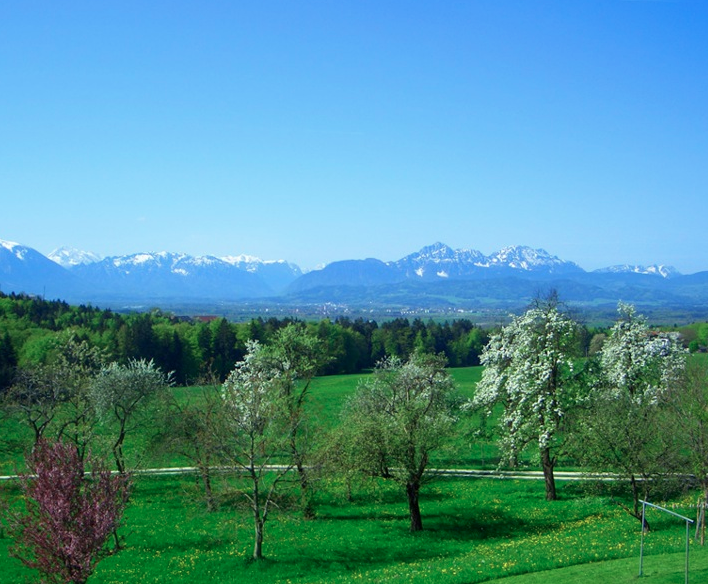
(476, 530)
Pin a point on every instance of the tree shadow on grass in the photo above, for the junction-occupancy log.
(472, 524)
(481, 524)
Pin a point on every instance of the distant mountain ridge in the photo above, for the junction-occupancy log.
(655, 270)
(24, 269)
(436, 277)
(68, 257)
(437, 262)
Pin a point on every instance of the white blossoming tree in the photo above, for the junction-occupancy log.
(637, 370)
(637, 362)
(121, 395)
(297, 356)
(257, 431)
(528, 370)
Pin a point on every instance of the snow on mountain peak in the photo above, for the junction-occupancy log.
(653, 270)
(69, 257)
(249, 263)
(442, 261)
(526, 258)
(9, 245)
(256, 265)
(17, 249)
(437, 250)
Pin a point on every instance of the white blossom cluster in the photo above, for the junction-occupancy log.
(527, 365)
(637, 362)
(249, 390)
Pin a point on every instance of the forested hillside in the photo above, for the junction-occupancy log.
(32, 329)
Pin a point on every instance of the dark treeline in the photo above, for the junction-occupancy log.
(31, 331)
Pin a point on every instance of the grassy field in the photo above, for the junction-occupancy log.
(476, 530)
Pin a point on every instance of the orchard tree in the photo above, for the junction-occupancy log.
(296, 356)
(638, 371)
(191, 428)
(52, 398)
(37, 395)
(68, 517)
(688, 422)
(528, 369)
(77, 419)
(121, 394)
(396, 419)
(637, 361)
(257, 432)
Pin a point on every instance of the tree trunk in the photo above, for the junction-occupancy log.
(308, 509)
(118, 449)
(548, 463)
(412, 489)
(208, 492)
(118, 457)
(703, 524)
(258, 540)
(637, 509)
(116, 542)
(258, 515)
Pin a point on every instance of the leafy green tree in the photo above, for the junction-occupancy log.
(8, 362)
(224, 351)
(688, 422)
(397, 419)
(206, 348)
(137, 338)
(297, 356)
(346, 349)
(529, 371)
(77, 419)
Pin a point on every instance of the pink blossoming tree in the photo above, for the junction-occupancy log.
(68, 515)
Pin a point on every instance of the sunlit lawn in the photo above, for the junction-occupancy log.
(475, 530)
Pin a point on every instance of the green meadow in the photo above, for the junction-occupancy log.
(476, 530)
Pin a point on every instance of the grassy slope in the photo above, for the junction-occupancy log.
(476, 530)
(663, 569)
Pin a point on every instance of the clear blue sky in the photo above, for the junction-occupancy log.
(319, 131)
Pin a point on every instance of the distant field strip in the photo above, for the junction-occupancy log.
(456, 472)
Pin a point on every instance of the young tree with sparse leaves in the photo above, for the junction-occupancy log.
(68, 517)
(529, 370)
(297, 356)
(37, 395)
(396, 419)
(121, 394)
(190, 428)
(77, 417)
(257, 432)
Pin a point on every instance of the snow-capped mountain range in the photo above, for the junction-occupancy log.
(68, 257)
(655, 270)
(441, 261)
(79, 276)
